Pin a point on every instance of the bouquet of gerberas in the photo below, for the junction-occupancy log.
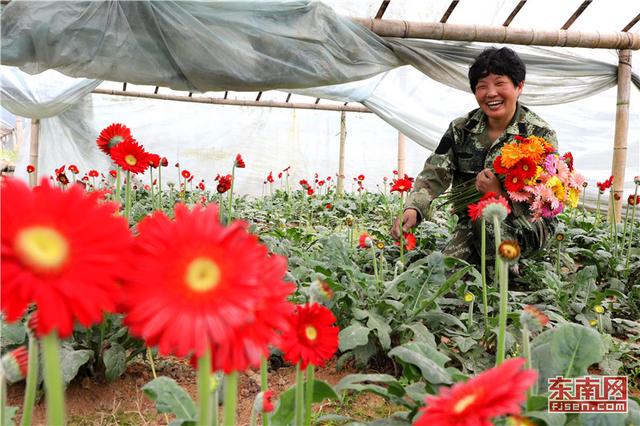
(533, 172)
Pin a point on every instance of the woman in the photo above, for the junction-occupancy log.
(467, 151)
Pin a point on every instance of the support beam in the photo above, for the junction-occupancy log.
(622, 128)
(513, 13)
(382, 9)
(576, 14)
(343, 139)
(500, 34)
(236, 102)
(449, 11)
(33, 150)
(402, 155)
(632, 23)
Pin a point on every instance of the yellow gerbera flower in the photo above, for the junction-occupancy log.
(574, 197)
(557, 187)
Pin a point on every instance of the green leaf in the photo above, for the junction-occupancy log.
(428, 360)
(9, 414)
(567, 350)
(12, 334)
(421, 333)
(445, 287)
(633, 418)
(382, 328)
(352, 381)
(115, 361)
(170, 397)
(602, 419)
(353, 336)
(286, 408)
(551, 419)
(71, 361)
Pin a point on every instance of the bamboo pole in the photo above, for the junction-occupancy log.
(622, 129)
(19, 133)
(33, 150)
(343, 139)
(236, 102)
(500, 34)
(402, 149)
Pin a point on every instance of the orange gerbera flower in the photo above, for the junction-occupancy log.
(112, 136)
(198, 285)
(131, 156)
(62, 251)
(510, 154)
(496, 392)
(312, 337)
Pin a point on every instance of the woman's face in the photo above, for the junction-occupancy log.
(497, 96)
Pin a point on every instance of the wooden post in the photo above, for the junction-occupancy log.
(33, 150)
(622, 129)
(402, 145)
(343, 138)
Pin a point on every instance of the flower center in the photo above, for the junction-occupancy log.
(130, 159)
(525, 168)
(464, 403)
(202, 274)
(43, 248)
(311, 332)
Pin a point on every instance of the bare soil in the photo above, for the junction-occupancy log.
(122, 402)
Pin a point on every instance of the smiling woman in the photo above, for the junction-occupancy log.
(467, 151)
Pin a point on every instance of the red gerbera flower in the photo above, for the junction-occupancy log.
(365, 240)
(224, 184)
(112, 136)
(312, 337)
(186, 174)
(60, 170)
(633, 200)
(270, 177)
(267, 401)
(474, 211)
(130, 156)
(92, 173)
(239, 162)
(74, 169)
(62, 251)
(498, 167)
(197, 285)
(154, 160)
(113, 173)
(360, 177)
(62, 178)
(310, 192)
(568, 159)
(328, 206)
(201, 186)
(603, 186)
(320, 182)
(190, 178)
(164, 162)
(409, 239)
(514, 182)
(15, 363)
(304, 184)
(401, 185)
(526, 167)
(30, 168)
(496, 392)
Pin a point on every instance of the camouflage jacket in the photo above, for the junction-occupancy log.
(465, 150)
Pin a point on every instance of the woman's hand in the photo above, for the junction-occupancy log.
(486, 181)
(407, 221)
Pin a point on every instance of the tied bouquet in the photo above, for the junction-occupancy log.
(532, 172)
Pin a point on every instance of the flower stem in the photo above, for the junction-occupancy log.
(401, 228)
(127, 197)
(153, 371)
(470, 317)
(299, 396)
(118, 184)
(626, 222)
(53, 379)
(375, 266)
(614, 225)
(308, 396)
(598, 207)
(230, 207)
(502, 321)
(632, 226)
(483, 268)
(264, 385)
(204, 388)
(558, 258)
(151, 183)
(32, 381)
(230, 397)
(160, 187)
(497, 239)
(526, 351)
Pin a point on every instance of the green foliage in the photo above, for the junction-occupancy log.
(170, 397)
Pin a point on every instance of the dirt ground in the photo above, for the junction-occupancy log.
(122, 402)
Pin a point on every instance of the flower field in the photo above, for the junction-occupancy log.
(104, 271)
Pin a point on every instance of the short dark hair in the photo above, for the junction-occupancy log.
(503, 61)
